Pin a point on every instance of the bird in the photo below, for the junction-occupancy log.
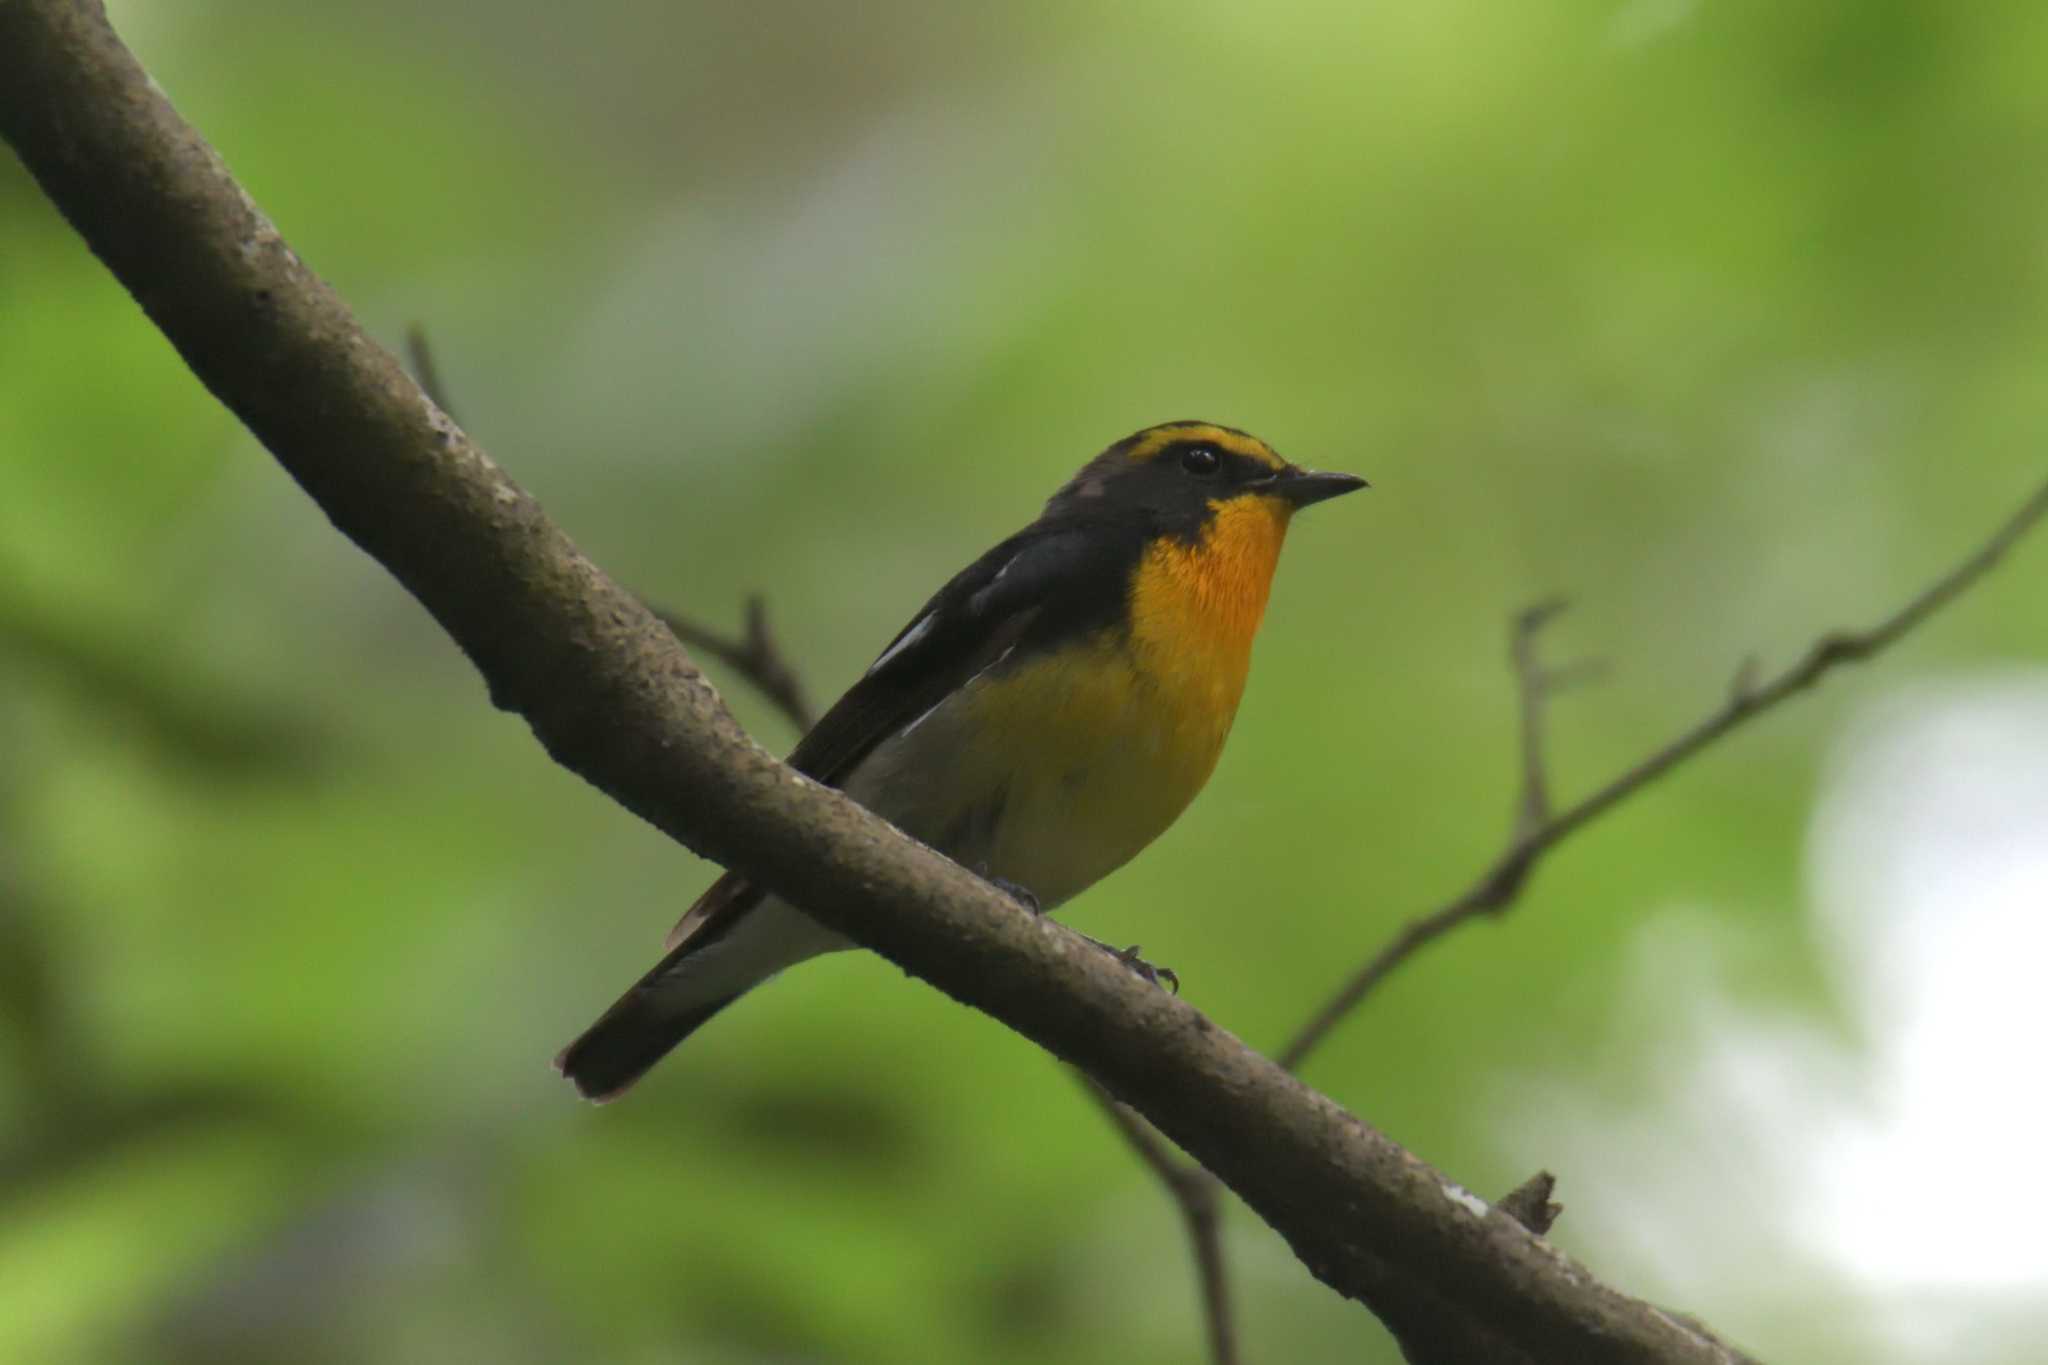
(1045, 716)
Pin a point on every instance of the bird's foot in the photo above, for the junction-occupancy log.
(1021, 894)
(1164, 977)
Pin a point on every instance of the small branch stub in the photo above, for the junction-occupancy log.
(1529, 1203)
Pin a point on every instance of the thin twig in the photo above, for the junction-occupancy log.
(1748, 698)
(1198, 1196)
(1537, 685)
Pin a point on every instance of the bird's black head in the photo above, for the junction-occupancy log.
(1175, 476)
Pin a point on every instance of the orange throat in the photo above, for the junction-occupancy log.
(1208, 598)
(1195, 609)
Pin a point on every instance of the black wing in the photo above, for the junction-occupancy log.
(1047, 583)
(1030, 585)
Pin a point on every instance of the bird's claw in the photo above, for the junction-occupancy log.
(1157, 976)
(1023, 895)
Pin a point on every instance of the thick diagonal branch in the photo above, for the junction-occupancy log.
(612, 695)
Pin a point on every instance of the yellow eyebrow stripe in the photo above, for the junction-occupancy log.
(1227, 439)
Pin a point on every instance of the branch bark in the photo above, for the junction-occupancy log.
(610, 693)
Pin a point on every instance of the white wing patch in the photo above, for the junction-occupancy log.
(910, 637)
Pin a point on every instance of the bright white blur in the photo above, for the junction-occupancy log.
(1891, 1156)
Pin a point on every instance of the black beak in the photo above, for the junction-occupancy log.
(1304, 486)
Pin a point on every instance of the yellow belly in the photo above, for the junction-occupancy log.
(1095, 755)
(1054, 773)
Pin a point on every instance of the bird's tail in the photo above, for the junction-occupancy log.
(732, 940)
(699, 977)
(635, 1033)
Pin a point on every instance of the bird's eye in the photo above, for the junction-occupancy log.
(1201, 461)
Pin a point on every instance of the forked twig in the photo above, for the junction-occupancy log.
(1536, 684)
(1503, 881)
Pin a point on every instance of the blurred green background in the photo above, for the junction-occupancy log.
(1728, 318)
